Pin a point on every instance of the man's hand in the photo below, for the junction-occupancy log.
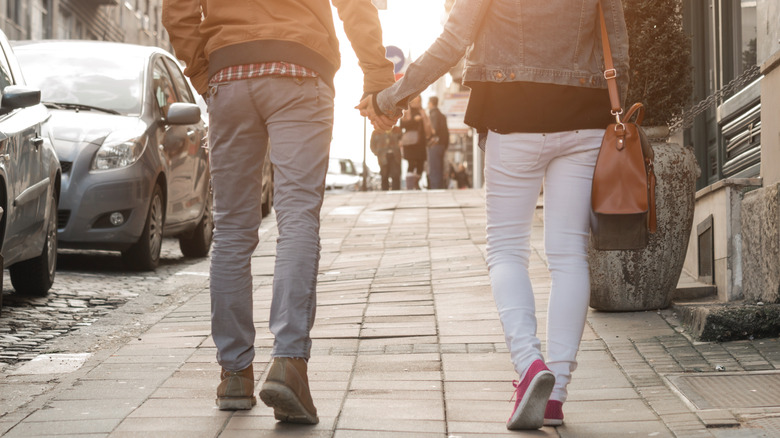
(381, 122)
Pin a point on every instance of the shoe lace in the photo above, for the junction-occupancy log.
(516, 384)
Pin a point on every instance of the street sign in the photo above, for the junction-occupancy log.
(395, 55)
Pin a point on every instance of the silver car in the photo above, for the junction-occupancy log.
(29, 183)
(132, 144)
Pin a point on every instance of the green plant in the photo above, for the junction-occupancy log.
(660, 53)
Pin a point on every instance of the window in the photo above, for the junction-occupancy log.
(747, 34)
(727, 138)
(13, 10)
(40, 25)
(5, 72)
(163, 87)
(181, 84)
(64, 25)
(97, 76)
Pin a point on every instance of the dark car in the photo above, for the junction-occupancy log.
(132, 144)
(29, 183)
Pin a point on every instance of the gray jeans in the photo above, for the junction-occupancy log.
(296, 117)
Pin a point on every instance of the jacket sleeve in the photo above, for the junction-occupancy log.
(361, 24)
(618, 42)
(181, 19)
(460, 31)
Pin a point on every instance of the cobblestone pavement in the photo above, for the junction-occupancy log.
(89, 285)
(691, 356)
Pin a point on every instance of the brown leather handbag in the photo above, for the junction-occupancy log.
(623, 192)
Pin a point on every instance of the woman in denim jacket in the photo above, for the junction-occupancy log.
(536, 73)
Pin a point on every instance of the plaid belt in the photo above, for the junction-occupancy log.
(248, 71)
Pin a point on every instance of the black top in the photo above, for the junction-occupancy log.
(415, 125)
(439, 124)
(509, 107)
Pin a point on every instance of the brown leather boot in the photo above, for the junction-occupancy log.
(287, 391)
(237, 390)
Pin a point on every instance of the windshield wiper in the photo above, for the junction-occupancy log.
(79, 106)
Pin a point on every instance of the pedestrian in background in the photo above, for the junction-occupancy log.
(386, 145)
(417, 130)
(437, 146)
(461, 176)
(538, 90)
(266, 70)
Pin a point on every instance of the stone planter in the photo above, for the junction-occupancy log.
(646, 279)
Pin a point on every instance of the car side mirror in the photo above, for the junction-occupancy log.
(180, 113)
(18, 96)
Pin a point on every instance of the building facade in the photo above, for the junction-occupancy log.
(735, 242)
(131, 21)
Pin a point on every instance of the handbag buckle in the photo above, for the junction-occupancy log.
(610, 74)
(617, 115)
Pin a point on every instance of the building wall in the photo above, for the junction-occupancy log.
(722, 202)
(131, 21)
(744, 212)
(768, 29)
(770, 122)
(768, 54)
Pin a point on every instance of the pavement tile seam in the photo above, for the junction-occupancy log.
(448, 268)
(640, 372)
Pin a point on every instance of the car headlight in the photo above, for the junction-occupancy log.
(115, 155)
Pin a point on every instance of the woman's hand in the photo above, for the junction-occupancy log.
(381, 122)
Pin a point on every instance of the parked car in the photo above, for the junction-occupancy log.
(29, 183)
(132, 144)
(342, 175)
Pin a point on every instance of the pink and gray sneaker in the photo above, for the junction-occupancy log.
(553, 414)
(532, 393)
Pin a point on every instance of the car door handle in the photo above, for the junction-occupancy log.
(37, 142)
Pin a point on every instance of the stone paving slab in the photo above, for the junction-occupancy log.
(407, 342)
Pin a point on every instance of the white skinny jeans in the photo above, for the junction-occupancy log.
(516, 165)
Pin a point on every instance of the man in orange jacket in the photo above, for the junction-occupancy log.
(266, 70)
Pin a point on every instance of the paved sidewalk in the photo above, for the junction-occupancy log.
(408, 343)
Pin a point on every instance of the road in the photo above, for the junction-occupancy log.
(91, 286)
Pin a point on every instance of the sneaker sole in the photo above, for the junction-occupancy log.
(552, 423)
(530, 413)
(287, 407)
(236, 403)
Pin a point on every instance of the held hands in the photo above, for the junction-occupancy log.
(381, 122)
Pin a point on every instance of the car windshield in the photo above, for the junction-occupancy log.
(91, 78)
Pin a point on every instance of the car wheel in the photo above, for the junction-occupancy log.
(35, 276)
(144, 255)
(198, 243)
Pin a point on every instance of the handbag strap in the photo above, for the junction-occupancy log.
(609, 73)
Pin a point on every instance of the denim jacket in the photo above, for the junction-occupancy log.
(545, 41)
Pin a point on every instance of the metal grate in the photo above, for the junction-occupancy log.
(770, 426)
(712, 391)
(62, 218)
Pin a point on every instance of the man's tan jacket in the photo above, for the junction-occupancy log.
(209, 35)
